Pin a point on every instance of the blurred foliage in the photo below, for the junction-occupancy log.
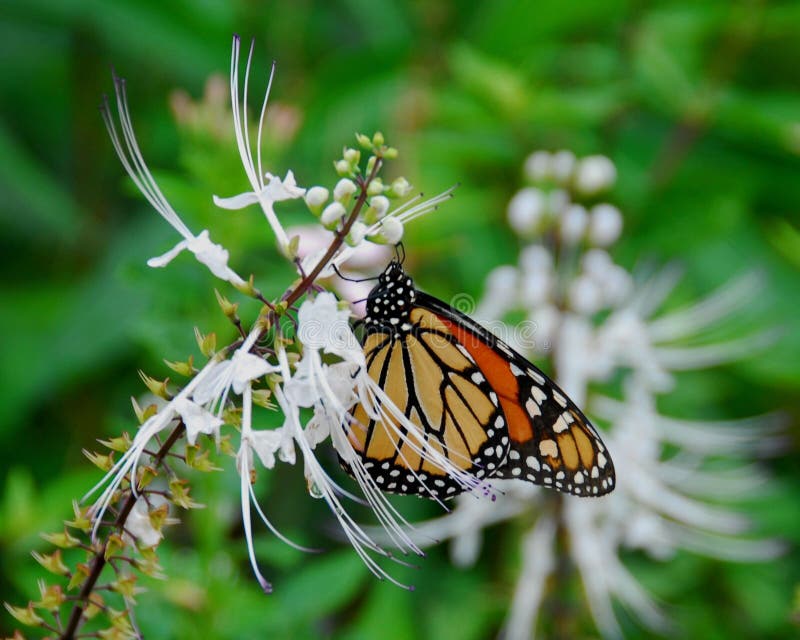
(697, 103)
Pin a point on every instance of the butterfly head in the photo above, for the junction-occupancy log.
(390, 301)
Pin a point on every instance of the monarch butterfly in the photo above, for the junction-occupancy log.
(475, 399)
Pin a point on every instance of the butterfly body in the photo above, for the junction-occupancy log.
(472, 397)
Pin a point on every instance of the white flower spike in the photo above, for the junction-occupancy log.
(267, 188)
(212, 255)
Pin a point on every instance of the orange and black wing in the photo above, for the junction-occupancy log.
(551, 442)
(434, 382)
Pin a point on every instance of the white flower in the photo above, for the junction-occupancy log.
(139, 526)
(267, 189)
(538, 166)
(594, 174)
(526, 210)
(323, 326)
(235, 373)
(605, 225)
(662, 503)
(212, 255)
(196, 419)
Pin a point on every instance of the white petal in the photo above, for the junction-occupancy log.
(236, 202)
(138, 525)
(196, 419)
(165, 259)
(278, 190)
(247, 367)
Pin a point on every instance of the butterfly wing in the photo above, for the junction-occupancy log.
(435, 383)
(551, 442)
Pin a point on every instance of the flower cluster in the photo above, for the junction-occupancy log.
(594, 323)
(299, 355)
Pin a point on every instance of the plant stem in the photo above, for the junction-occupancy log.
(99, 561)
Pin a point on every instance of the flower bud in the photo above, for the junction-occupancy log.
(357, 233)
(375, 187)
(526, 210)
(585, 296)
(315, 198)
(334, 212)
(594, 174)
(364, 141)
(391, 231)
(536, 259)
(377, 139)
(344, 190)
(342, 167)
(400, 187)
(605, 225)
(573, 224)
(352, 156)
(538, 166)
(380, 204)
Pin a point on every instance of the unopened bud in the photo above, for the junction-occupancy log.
(391, 231)
(342, 167)
(400, 187)
(344, 190)
(315, 198)
(334, 212)
(364, 141)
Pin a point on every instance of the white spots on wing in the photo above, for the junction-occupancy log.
(548, 448)
(463, 351)
(560, 475)
(595, 472)
(532, 408)
(394, 473)
(516, 370)
(560, 424)
(559, 398)
(538, 395)
(513, 455)
(533, 463)
(538, 377)
(601, 460)
(516, 471)
(499, 422)
(493, 398)
(477, 377)
(578, 478)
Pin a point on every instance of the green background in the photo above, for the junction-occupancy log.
(697, 103)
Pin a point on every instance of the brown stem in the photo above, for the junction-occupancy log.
(99, 561)
(306, 283)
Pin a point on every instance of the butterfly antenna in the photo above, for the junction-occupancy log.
(349, 279)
